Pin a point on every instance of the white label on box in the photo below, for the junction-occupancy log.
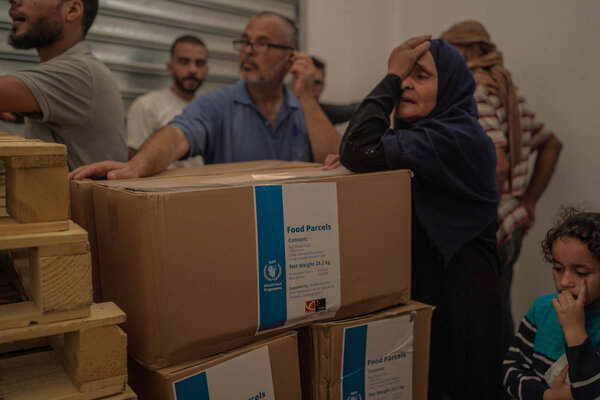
(377, 360)
(247, 377)
(298, 253)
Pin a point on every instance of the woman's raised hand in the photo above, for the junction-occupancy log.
(403, 58)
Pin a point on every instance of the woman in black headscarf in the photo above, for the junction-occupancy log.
(454, 260)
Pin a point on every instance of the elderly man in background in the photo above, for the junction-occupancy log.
(156, 109)
(517, 134)
(256, 118)
(70, 97)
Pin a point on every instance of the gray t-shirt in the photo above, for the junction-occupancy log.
(81, 106)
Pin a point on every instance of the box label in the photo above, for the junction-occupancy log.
(247, 377)
(377, 360)
(298, 253)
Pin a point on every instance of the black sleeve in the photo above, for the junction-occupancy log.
(338, 113)
(361, 149)
(584, 370)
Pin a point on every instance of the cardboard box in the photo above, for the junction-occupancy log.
(82, 202)
(185, 381)
(322, 355)
(179, 255)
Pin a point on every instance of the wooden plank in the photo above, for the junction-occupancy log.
(101, 314)
(12, 138)
(92, 355)
(26, 314)
(10, 226)
(38, 194)
(36, 161)
(30, 344)
(64, 249)
(128, 394)
(40, 376)
(20, 147)
(74, 234)
(60, 283)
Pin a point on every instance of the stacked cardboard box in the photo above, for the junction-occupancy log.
(48, 256)
(383, 355)
(208, 260)
(264, 370)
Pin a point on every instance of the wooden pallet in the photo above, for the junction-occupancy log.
(56, 273)
(2, 191)
(128, 394)
(54, 344)
(36, 184)
(88, 360)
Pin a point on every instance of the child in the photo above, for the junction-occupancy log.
(560, 335)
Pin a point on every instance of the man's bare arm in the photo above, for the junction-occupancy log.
(166, 145)
(323, 137)
(15, 96)
(161, 149)
(545, 162)
(502, 167)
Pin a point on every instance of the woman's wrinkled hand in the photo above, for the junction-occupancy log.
(403, 58)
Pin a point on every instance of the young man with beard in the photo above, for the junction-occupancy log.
(255, 119)
(70, 97)
(156, 109)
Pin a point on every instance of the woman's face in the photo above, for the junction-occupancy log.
(419, 91)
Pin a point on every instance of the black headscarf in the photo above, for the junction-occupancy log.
(454, 162)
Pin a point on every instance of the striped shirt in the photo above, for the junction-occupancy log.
(492, 117)
(539, 342)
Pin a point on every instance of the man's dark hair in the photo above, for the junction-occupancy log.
(584, 226)
(318, 63)
(186, 39)
(293, 29)
(90, 9)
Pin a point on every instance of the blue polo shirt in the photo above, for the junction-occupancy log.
(226, 126)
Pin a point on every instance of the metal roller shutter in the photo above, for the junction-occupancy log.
(133, 37)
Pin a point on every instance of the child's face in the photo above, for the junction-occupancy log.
(575, 265)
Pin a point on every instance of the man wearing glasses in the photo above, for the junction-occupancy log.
(256, 118)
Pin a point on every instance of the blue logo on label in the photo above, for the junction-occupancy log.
(271, 257)
(272, 271)
(354, 396)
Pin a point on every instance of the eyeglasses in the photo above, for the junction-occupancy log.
(259, 47)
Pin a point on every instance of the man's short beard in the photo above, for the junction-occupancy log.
(180, 85)
(42, 33)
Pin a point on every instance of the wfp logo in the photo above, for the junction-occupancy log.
(272, 271)
(354, 396)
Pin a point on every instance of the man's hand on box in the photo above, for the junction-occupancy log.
(12, 117)
(104, 170)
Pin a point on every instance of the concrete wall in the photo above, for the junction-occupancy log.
(552, 49)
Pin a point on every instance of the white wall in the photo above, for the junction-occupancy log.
(354, 39)
(552, 48)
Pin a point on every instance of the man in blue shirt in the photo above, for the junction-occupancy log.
(256, 118)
